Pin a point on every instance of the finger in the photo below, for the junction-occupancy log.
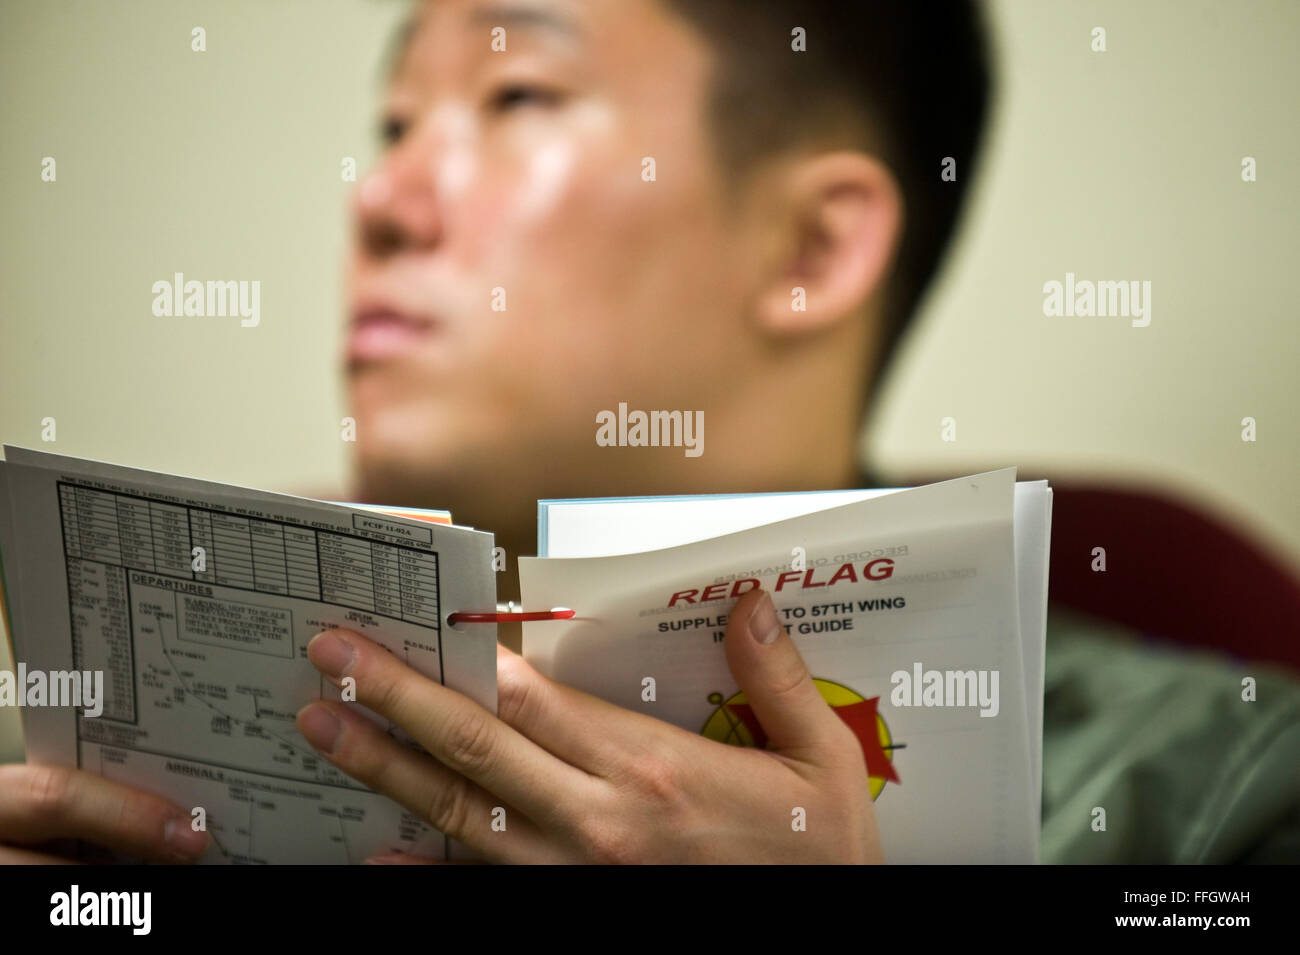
(768, 667)
(39, 803)
(10, 856)
(454, 806)
(456, 731)
(560, 718)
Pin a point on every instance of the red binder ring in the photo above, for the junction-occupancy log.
(469, 616)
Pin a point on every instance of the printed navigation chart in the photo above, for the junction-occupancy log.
(198, 612)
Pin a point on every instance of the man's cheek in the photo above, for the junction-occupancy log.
(546, 186)
(517, 208)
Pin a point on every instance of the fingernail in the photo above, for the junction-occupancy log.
(763, 625)
(181, 837)
(330, 654)
(320, 727)
(384, 860)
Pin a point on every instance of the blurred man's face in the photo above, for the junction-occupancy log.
(514, 272)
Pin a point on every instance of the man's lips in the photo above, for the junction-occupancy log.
(383, 333)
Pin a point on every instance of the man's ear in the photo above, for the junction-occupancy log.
(841, 216)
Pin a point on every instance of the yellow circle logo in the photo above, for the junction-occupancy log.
(735, 722)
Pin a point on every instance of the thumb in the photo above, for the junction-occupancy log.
(768, 667)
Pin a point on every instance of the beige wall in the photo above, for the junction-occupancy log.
(225, 164)
(1126, 165)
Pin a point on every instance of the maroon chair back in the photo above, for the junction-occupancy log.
(1172, 572)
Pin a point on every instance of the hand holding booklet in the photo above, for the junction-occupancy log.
(920, 613)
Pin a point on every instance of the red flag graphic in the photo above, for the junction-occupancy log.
(861, 718)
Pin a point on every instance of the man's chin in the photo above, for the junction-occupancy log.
(400, 473)
(400, 450)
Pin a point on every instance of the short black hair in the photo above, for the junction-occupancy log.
(908, 80)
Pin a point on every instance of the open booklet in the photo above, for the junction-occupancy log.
(188, 605)
(921, 615)
(920, 612)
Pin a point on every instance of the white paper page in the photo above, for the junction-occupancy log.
(600, 527)
(964, 792)
(10, 567)
(1033, 550)
(204, 671)
(10, 562)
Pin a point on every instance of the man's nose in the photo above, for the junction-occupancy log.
(396, 203)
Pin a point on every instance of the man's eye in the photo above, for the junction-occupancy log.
(392, 129)
(513, 95)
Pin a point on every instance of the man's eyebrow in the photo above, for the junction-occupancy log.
(506, 15)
